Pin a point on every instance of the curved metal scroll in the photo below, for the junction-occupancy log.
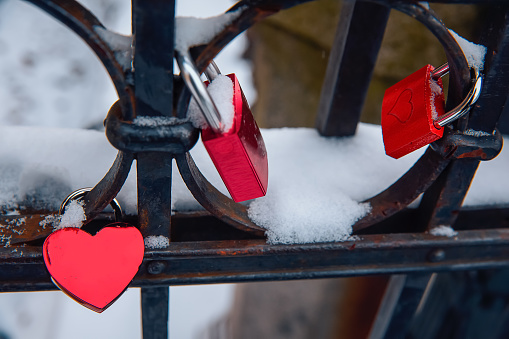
(85, 24)
(390, 201)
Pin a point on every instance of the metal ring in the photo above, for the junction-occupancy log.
(464, 106)
(193, 81)
(80, 193)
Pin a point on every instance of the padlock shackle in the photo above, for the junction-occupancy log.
(212, 71)
(440, 71)
(202, 97)
(464, 107)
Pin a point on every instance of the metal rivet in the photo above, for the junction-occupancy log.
(156, 267)
(436, 255)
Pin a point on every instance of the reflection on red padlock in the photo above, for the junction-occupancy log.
(239, 153)
(413, 110)
(94, 270)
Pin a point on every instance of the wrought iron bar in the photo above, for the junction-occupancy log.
(203, 262)
(350, 67)
(399, 305)
(153, 31)
(155, 312)
(441, 203)
(153, 74)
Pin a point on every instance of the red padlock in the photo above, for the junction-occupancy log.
(239, 153)
(94, 270)
(413, 110)
(409, 109)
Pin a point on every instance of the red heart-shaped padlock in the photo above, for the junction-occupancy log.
(94, 270)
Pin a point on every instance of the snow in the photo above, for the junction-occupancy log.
(192, 31)
(154, 121)
(122, 46)
(221, 91)
(36, 173)
(474, 53)
(475, 133)
(73, 216)
(312, 179)
(443, 231)
(156, 242)
(436, 90)
(51, 220)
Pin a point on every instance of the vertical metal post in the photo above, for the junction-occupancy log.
(350, 67)
(155, 312)
(401, 301)
(153, 77)
(153, 31)
(442, 202)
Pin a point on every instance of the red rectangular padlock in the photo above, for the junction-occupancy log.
(409, 111)
(239, 154)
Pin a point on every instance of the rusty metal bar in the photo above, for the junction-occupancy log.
(203, 262)
(153, 31)
(350, 67)
(153, 74)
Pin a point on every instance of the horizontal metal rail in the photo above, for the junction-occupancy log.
(22, 268)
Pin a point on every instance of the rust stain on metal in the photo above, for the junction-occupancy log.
(478, 153)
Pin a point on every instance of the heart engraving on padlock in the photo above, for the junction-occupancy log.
(94, 270)
(403, 108)
(413, 110)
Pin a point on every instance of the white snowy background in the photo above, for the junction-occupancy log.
(50, 79)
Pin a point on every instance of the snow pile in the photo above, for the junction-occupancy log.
(121, 45)
(443, 231)
(473, 53)
(156, 242)
(221, 91)
(41, 166)
(191, 31)
(73, 216)
(291, 217)
(315, 183)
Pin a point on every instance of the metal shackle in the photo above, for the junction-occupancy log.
(198, 89)
(465, 105)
